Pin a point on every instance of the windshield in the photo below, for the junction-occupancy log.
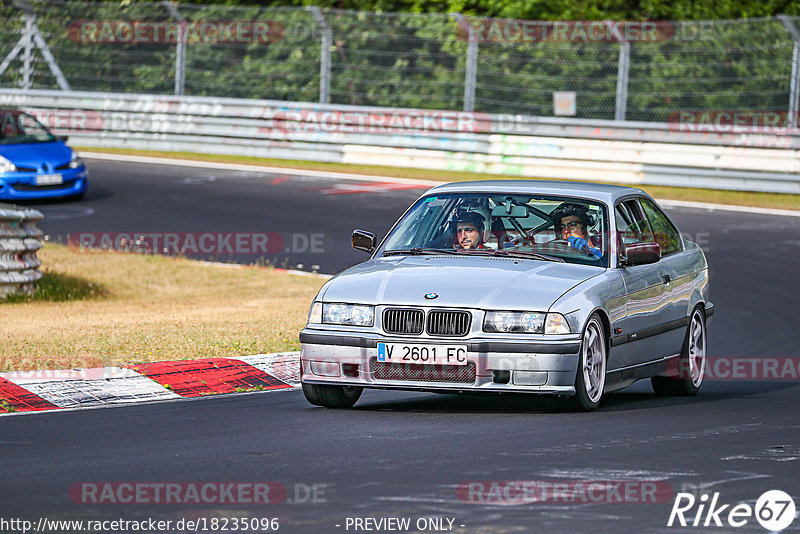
(566, 229)
(18, 127)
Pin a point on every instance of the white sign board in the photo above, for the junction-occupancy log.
(564, 103)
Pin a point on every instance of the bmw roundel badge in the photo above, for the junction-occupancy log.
(431, 296)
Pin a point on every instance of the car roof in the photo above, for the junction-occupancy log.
(607, 193)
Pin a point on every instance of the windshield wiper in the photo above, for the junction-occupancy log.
(528, 254)
(415, 251)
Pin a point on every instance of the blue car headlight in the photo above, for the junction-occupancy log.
(75, 161)
(6, 166)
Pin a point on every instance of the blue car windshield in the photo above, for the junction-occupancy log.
(18, 127)
(574, 230)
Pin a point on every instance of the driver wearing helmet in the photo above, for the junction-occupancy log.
(468, 229)
(571, 222)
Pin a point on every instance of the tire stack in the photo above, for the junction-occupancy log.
(20, 238)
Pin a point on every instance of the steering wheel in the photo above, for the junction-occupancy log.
(516, 239)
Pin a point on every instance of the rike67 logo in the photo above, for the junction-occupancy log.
(774, 510)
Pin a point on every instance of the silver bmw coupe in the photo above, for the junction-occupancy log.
(566, 289)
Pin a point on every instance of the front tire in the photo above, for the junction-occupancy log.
(590, 378)
(691, 364)
(332, 396)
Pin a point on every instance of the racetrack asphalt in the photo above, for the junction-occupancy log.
(406, 455)
(313, 216)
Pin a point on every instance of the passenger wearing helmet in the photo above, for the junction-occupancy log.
(468, 229)
(571, 222)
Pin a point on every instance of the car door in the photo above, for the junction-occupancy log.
(637, 337)
(676, 269)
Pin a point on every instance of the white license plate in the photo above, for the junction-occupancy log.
(422, 354)
(49, 179)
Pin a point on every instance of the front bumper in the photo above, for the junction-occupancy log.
(21, 185)
(511, 364)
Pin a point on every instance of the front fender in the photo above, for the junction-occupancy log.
(605, 292)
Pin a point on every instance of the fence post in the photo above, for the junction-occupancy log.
(180, 50)
(471, 73)
(325, 55)
(621, 106)
(794, 82)
(27, 54)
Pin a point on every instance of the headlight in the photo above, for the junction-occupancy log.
(556, 324)
(525, 322)
(6, 166)
(508, 321)
(347, 314)
(75, 161)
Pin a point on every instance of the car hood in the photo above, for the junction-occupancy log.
(459, 281)
(34, 155)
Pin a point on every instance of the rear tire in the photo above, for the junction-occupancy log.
(332, 396)
(691, 364)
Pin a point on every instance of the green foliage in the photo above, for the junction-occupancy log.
(561, 9)
(410, 53)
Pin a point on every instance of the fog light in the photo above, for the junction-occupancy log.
(530, 378)
(325, 368)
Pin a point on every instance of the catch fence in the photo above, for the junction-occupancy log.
(637, 71)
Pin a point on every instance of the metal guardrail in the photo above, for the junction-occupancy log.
(20, 238)
(517, 145)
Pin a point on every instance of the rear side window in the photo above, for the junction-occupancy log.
(666, 234)
(632, 225)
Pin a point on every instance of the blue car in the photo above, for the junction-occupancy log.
(34, 163)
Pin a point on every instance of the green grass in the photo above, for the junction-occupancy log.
(58, 287)
(94, 309)
(716, 196)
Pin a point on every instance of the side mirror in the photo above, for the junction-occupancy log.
(642, 253)
(364, 241)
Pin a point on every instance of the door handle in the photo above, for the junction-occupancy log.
(666, 279)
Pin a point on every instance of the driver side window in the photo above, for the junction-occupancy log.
(632, 225)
